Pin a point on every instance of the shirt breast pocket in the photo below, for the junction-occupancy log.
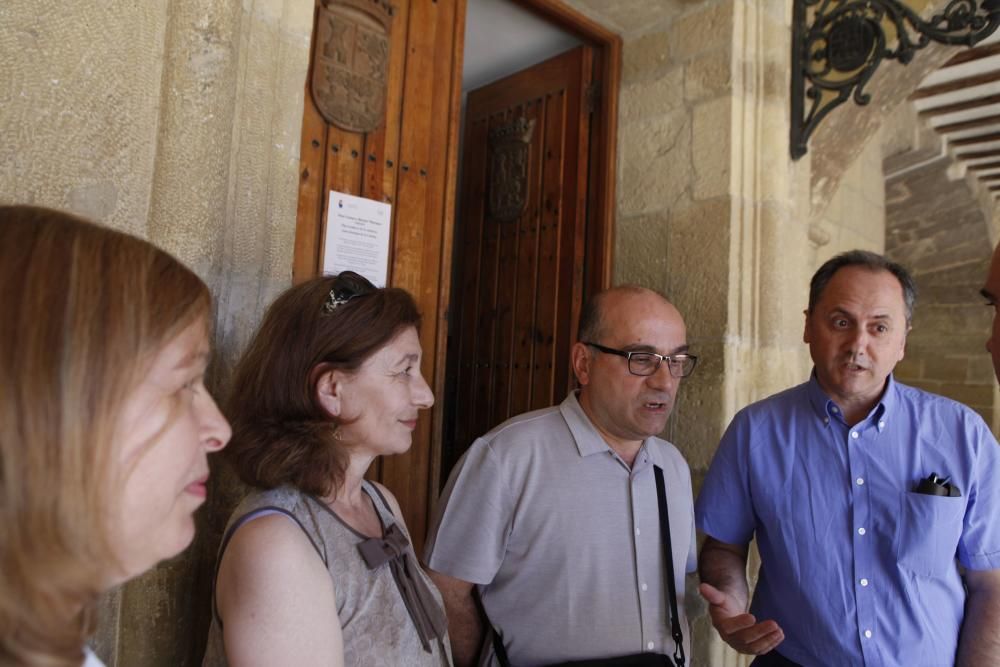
(928, 532)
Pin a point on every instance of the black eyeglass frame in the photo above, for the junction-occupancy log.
(670, 358)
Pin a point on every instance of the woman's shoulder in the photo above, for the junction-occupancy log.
(270, 536)
(268, 526)
(271, 576)
(268, 559)
(285, 497)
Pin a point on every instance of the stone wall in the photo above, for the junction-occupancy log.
(855, 215)
(78, 107)
(674, 175)
(177, 120)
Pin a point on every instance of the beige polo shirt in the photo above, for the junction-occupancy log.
(564, 539)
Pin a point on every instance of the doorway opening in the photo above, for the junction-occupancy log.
(534, 210)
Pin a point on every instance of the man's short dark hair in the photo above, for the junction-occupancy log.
(590, 319)
(591, 326)
(868, 260)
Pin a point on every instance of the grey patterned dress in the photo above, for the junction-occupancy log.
(377, 628)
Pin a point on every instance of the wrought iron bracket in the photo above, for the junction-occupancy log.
(838, 44)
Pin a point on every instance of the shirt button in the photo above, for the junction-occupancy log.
(860, 481)
(650, 646)
(881, 424)
(644, 587)
(868, 634)
(864, 582)
(861, 531)
(638, 532)
(835, 409)
(826, 420)
(854, 434)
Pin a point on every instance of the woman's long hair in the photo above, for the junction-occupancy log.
(84, 310)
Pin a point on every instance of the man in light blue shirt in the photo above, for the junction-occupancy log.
(875, 505)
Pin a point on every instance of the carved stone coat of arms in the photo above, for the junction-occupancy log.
(351, 62)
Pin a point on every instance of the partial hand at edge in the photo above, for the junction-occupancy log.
(738, 628)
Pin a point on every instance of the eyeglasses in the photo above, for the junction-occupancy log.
(647, 363)
(346, 286)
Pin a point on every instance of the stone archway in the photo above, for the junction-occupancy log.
(936, 228)
(940, 225)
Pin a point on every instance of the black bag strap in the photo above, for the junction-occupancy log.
(498, 649)
(668, 555)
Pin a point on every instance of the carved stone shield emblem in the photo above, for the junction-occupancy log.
(351, 62)
(509, 146)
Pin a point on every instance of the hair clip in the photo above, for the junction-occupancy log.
(333, 301)
(347, 285)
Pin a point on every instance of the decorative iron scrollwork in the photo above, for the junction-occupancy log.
(509, 146)
(835, 56)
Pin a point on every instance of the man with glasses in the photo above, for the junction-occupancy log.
(873, 504)
(551, 519)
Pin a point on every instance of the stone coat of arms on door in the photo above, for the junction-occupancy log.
(351, 62)
(508, 184)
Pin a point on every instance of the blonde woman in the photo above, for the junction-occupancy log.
(105, 423)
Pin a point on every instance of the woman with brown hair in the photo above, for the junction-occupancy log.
(316, 566)
(105, 423)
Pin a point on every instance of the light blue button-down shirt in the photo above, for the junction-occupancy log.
(857, 569)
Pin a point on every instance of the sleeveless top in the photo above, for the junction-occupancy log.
(377, 627)
(89, 659)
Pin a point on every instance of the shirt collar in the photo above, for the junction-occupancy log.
(588, 439)
(825, 408)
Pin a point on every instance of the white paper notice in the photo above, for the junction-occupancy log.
(357, 237)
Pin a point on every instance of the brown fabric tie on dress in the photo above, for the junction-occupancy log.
(427, 616)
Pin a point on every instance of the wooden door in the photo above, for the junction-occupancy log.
(520, 244)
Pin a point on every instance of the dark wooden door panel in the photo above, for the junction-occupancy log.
(521, 276)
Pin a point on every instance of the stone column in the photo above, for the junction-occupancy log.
(159, 612)
(191, 180)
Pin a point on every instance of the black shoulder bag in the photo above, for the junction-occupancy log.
(636, 659)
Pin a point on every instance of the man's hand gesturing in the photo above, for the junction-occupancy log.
(738, 628)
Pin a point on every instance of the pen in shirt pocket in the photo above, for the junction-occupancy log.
(932, 485)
